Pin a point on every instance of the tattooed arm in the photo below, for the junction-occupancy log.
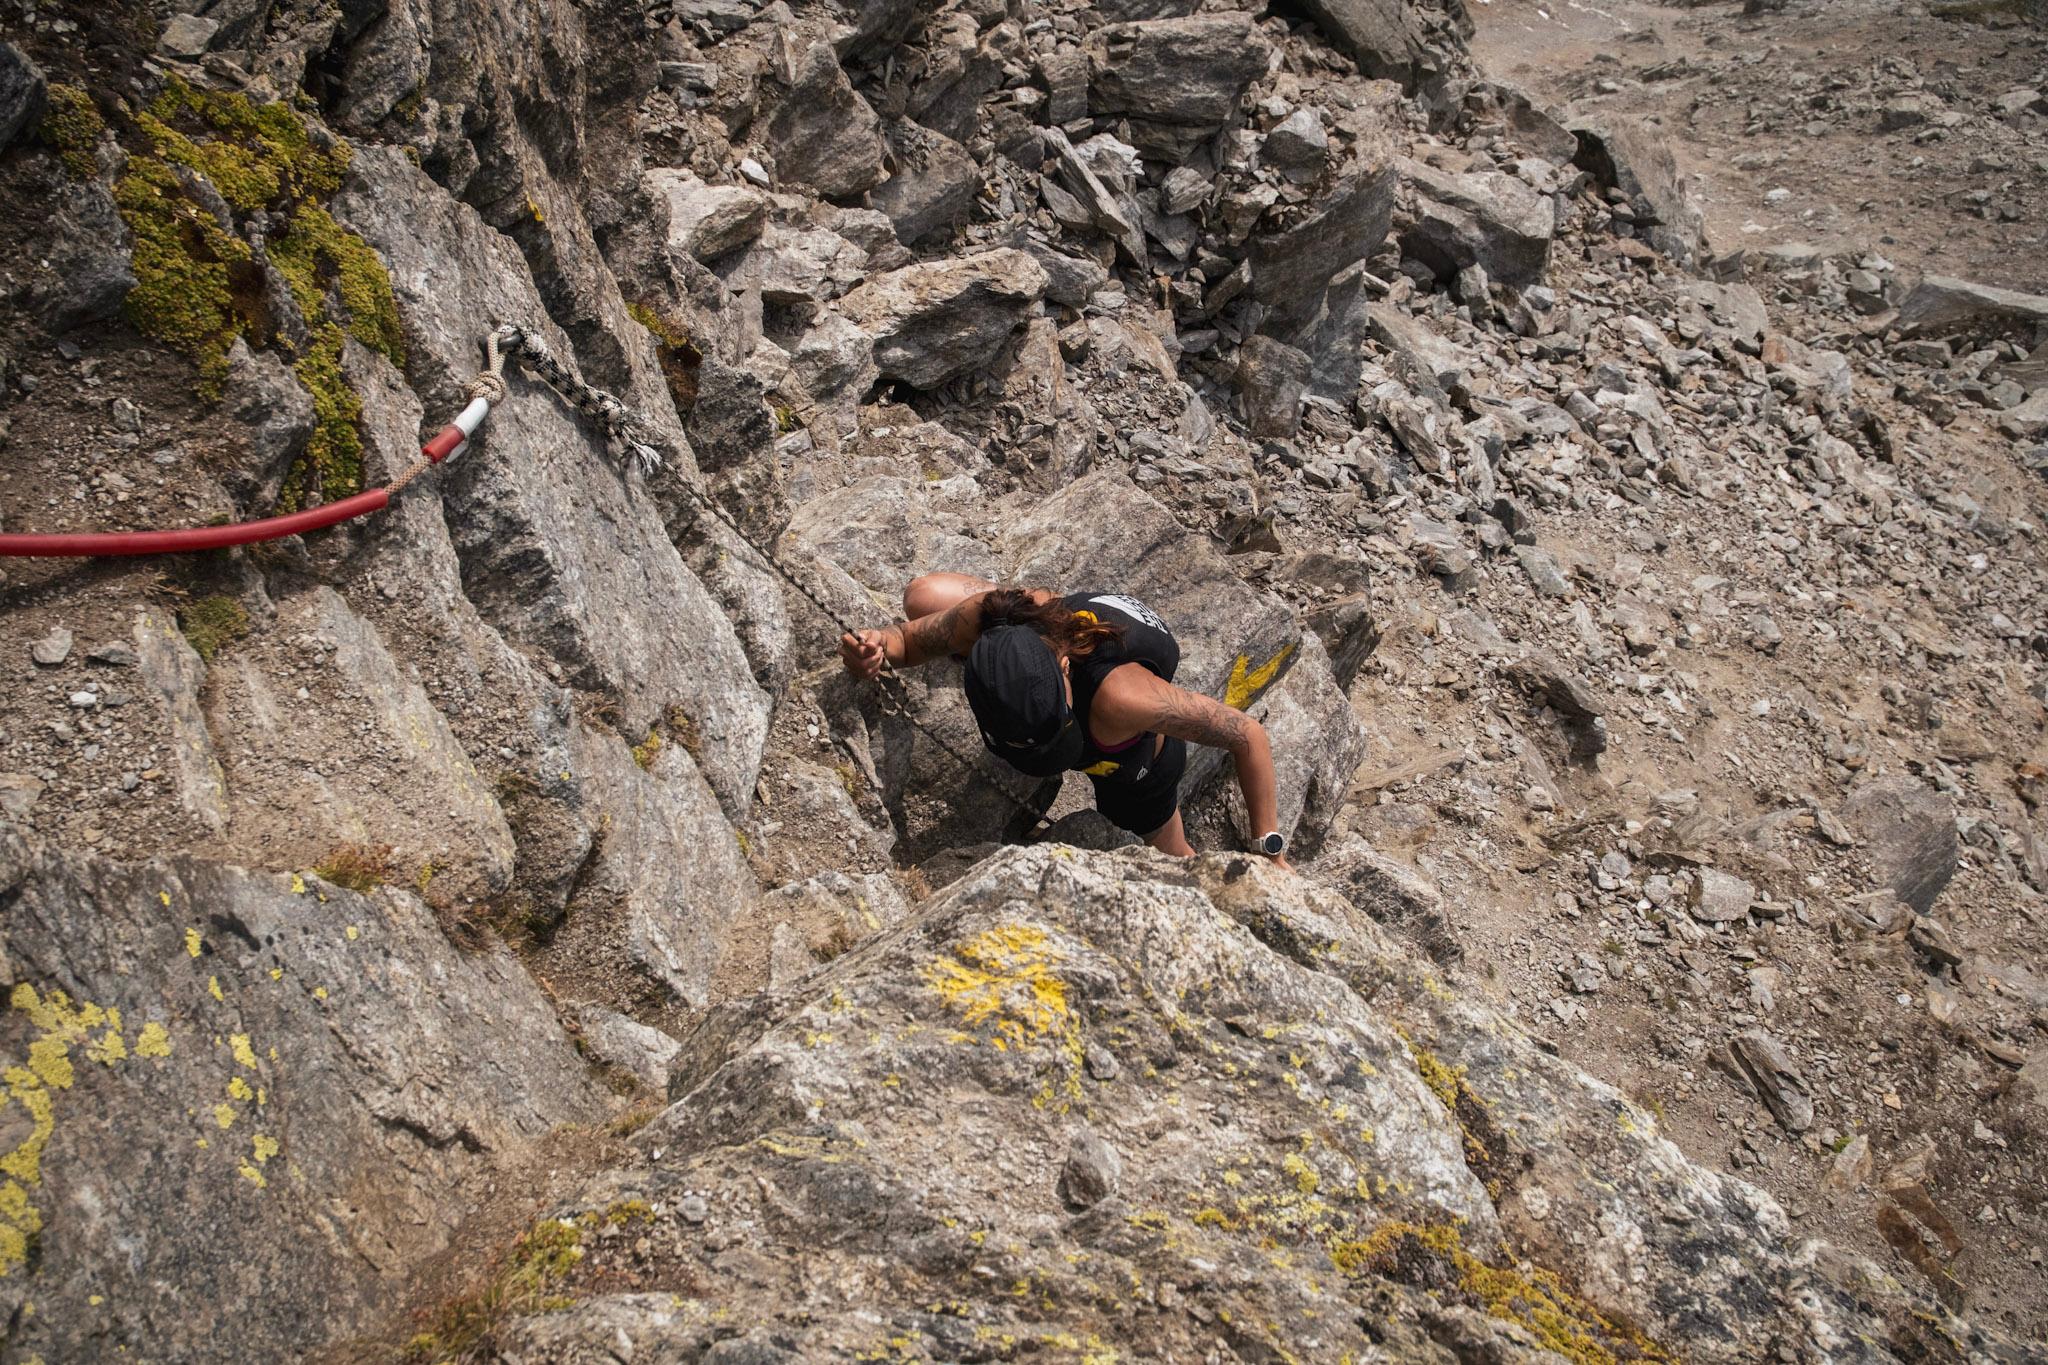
(910, 643)
(1134, 697)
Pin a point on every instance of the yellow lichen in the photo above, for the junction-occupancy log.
(649, 749)
(192, 942)
(1534, 1299)
(1005, 978)
(59, 1025)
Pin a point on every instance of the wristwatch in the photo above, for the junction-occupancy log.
(1272, 845)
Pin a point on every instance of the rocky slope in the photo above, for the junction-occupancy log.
(495, 929)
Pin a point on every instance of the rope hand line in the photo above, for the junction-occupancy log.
(627, 438)
(625, 433)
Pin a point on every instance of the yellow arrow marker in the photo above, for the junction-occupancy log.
(1245, 685)
(1102, 769)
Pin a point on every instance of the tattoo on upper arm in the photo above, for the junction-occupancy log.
(1201, 720)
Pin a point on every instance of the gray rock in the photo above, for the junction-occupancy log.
(1177, 80)
(1909, 833)
(1623, 154)
(1097, 203)
(270, 1042)
(1541, 566)
(275, 414)
(1069, 280)
(174, 675)
(1297, 142)
(707, 221)
(934, 185)
(822, 133)
(1291, 269)
(1777, 1080)
(1318, 742)
(933, 321)
(1091, 1172)
(1395, 40)
(19, 793)
(1485, 219)
(835, 361)
(1716, 897)
(409, 784)
(22, 92)
(1272, 379)
(641, 1052)
(1263, 969)
(1934, 942)
(187, 35)
(53, 649)
(1943, 303)
(84, 273)
(559, 551)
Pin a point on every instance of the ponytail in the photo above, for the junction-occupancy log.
(1066, 631)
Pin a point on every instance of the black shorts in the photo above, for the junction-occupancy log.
(1145, 804)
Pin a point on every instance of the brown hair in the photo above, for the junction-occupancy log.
(1067, 631)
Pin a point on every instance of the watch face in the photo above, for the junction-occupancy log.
(1272, 844)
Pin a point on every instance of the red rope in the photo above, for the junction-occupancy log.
(194, 538)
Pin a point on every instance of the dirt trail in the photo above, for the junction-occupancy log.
(1882, 124)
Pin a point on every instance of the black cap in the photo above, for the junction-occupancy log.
(1019, 700)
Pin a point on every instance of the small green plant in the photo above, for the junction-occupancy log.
(212, 623)
(541, 1258)
(786, 419)
(356, 867)
(677, 354)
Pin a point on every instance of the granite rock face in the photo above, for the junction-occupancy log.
(234, 1094)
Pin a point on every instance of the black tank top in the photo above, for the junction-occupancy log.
(1146, 641)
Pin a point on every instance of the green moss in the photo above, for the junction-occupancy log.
(72, 124)
(1537, 1300)
(256, 155)
(331, 467)
(212, 623)
(314, 254)
(786, 419)
(199, 287)
(196, 284)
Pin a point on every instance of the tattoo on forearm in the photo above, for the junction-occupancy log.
(929, 637)
(1201, 720)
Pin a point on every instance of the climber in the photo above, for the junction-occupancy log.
(1080, 683)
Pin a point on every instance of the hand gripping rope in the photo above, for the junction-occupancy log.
(627, 437)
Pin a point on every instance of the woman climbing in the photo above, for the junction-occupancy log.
(1081, 683)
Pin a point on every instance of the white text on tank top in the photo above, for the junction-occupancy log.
(1132, 607)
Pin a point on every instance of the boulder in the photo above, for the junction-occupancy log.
(1297, 143)
(641, 1052)
(934, 185)
(936, 320)
(1487, 219)
(1396, 40)
(1943, 303)
(278, 1089)
(1292, 267)
(822, 133)
(1381, 1131)
(707, 221)
(835, 361)
(22, 94)
(1623, 154)
(1272, 379)
(1176, 80)
(1909, 835)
